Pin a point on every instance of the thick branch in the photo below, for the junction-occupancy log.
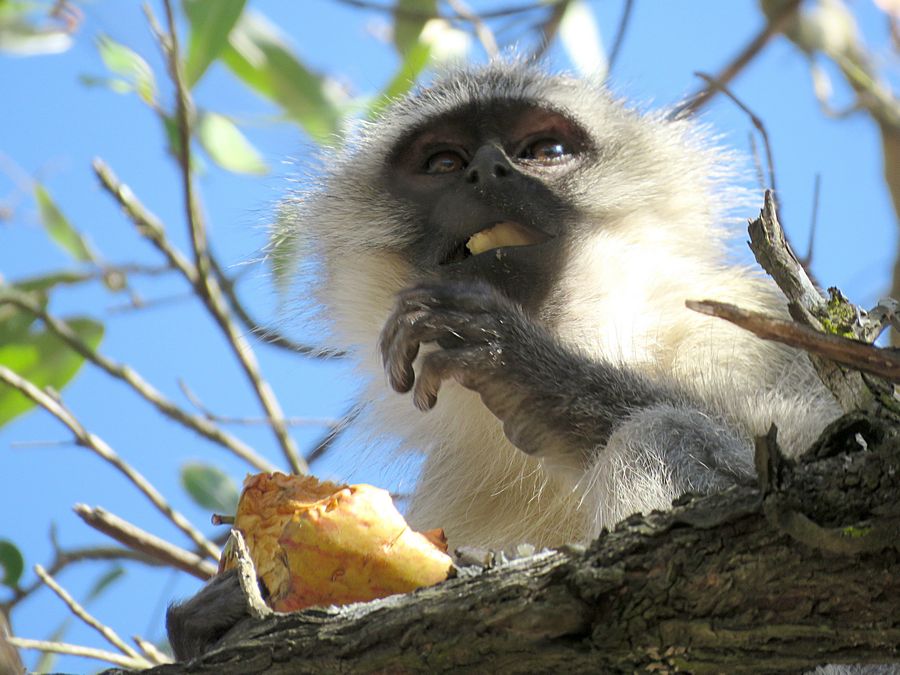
(719, 584)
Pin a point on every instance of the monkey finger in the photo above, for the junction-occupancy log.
(471, 367)
(473, 297)
(436, 367)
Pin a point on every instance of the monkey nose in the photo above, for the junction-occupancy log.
(488, 164)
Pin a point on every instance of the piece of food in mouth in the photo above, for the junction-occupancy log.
(318, 543)
(506, 233)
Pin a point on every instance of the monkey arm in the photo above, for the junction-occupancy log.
(578, 414)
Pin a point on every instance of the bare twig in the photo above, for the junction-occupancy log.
(205, 283)
(77, 650)
(122, 372)
(853, 354)
(485, 36)
(108, 633)
(324, 444)
(247, 576)
(754, 119)
(549, 27)
(621, 30)
(147, 544)
(73, 277)
(774, 26)
(266, 334)
(98, 446)
(150, 651)
(225, 419)
(885, 313)
(64, 558)
(148, 225)
(184, 112)
(774, 254)
(807, 259)
(415, 14)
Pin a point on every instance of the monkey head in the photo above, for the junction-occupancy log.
(502, 175)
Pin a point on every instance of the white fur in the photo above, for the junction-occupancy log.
(655, 206)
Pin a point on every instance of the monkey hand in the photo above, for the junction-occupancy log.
(487, 344)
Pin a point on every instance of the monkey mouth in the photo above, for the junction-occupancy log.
(505, 234)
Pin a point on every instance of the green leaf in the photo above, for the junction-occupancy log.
(211, 22)
(112, 83)
(261, 58)
(44, 360)
(12, 562)
(130, 65)
(210, 488)
(173, 140)
(59, 228)
(227, 146)
(103, 582)
(47, 281)
(14, 323)
(410, 17)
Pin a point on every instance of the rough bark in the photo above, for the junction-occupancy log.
(801, 571)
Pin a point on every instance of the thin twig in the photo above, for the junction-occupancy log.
(249, 421)
(64, 558)
(135, 538)
(485, 36)
(621, 30)
(75, 607)
(416, 14)
(746, 55)
(184, 112)
(99, 447)
(857, 355)
(325, 443)
(73, 277)
(754, 119)
(549, 28)
(126, 374)
(806, 260)
(77, 650)
(268, 335)
(206, 285)
(150, 650)
(148, 225)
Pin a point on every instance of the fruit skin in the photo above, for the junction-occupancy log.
(319, 543)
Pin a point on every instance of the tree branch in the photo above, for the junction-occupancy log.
(717, 584)
(99, 447)
(147, 391)
(140, 540)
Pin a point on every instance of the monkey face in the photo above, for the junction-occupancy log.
(484, 185)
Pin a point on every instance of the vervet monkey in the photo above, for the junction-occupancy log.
(515, 249)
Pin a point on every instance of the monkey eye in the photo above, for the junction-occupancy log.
(446, 161)
(545, 150)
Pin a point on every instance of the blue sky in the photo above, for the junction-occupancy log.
(51, 127)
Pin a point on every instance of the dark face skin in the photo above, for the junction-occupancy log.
(502, 162)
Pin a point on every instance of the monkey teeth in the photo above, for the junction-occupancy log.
(502, 234)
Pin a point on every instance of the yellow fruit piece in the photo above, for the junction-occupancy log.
(318, 543)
